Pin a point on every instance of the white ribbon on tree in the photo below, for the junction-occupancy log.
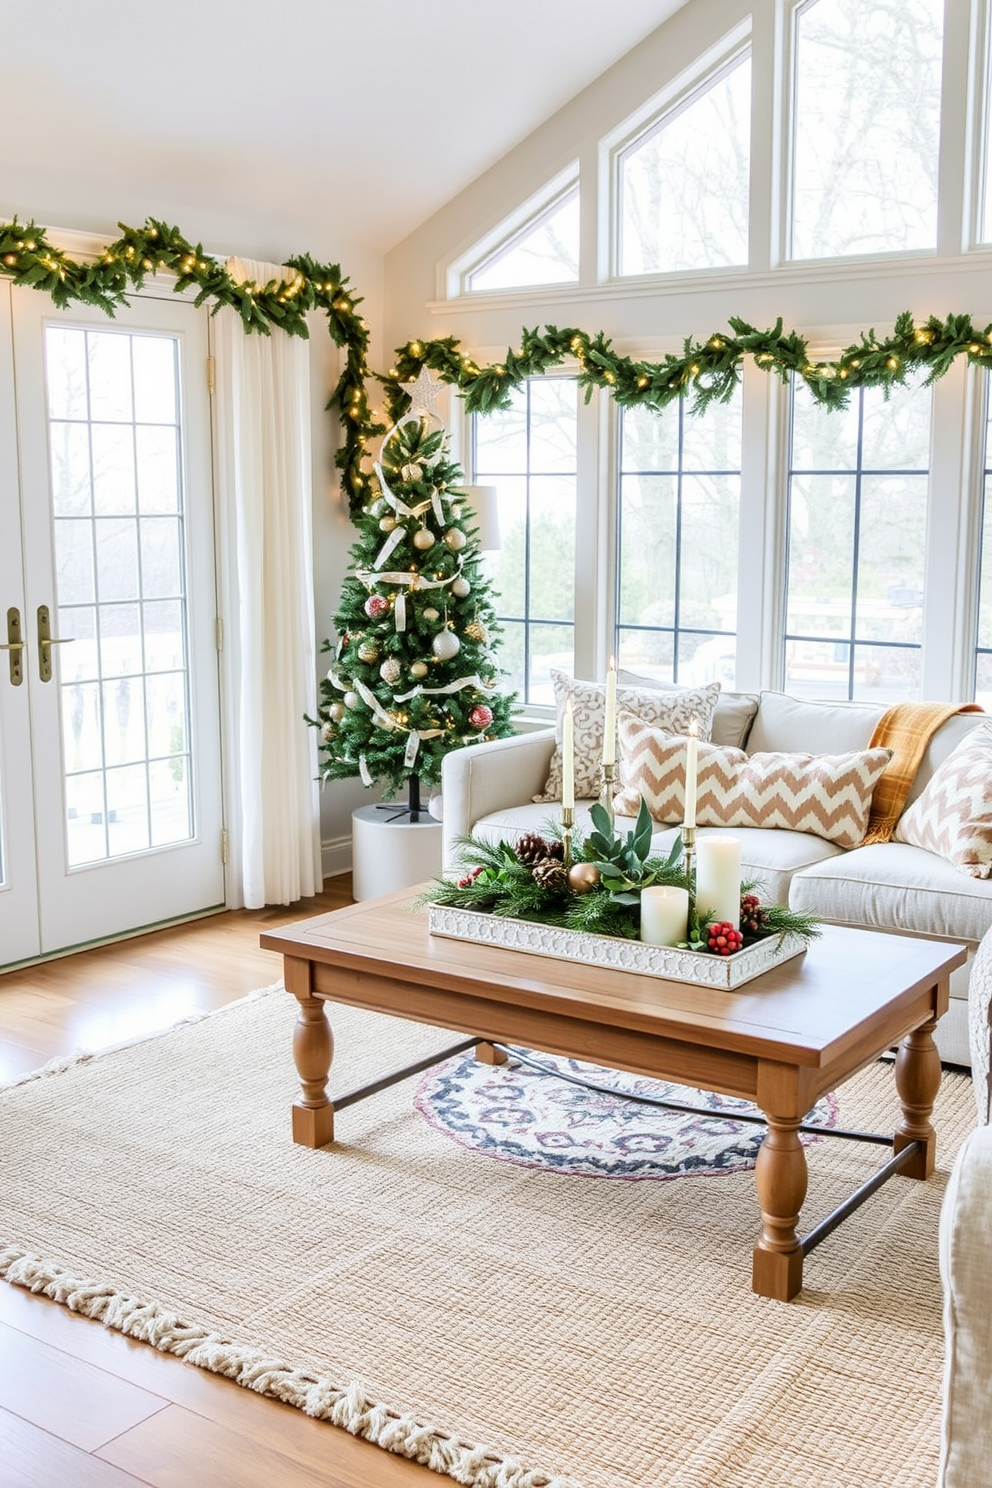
(438, 508)
(392, 542)
(459, 686)
(364, 771)
(399, 612)
(384, 719)
(411, 580)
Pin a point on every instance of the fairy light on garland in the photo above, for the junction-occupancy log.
(707, 371)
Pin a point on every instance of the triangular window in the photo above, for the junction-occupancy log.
(683, 184)
(544, 251)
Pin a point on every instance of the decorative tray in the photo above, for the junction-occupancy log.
(726, 973)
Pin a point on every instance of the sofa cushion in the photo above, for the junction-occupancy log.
(893, 886)
(732, 719)
(674, 709)
(828, 794)
(797, 725)
(944, 742)
(953, 815)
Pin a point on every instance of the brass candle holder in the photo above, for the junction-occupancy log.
(567, 826)
(606, 794)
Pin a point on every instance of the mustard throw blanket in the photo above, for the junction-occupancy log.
(906, 729)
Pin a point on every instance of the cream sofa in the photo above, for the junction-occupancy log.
(488, 791)
(966, 1272)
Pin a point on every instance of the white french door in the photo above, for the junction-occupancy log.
(110, 785)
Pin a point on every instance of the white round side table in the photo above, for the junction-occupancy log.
(392, 854)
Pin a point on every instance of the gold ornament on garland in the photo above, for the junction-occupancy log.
(582, 877)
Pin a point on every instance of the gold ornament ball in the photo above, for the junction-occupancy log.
(411, 472)
(423, 538)
(419, 669)
(476, 632)
(368, 651)
(386, 524)
(582, 877)
(351, 700)
(461, 588)
(336, 712)
(431, 614)
(455, 539)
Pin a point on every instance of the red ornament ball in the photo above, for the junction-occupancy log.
(375, 606)
(481, 716)
(723, 938)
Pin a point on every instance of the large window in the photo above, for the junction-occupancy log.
(546, 251)
(529, 453)
(683, 185)
(867, 126)
(857, 535)
(678, 533)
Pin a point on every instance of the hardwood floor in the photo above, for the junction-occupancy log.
(81, 1406)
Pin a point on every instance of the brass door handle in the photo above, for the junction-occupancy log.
(14, 646)
(46, 641)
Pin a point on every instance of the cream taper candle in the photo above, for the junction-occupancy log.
(664, 915)
(568, 757)
(718, 878)
(610, 716)
(691, 745)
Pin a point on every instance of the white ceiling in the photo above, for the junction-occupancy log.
(307, 126)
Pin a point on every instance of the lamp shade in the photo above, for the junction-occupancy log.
(484, 501)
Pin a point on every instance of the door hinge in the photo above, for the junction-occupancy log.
(211, 375)
(219, 633)
(223, 845)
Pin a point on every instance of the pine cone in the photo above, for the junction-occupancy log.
(753, 917)
(532, 848)
(550, 874)
(556, 850)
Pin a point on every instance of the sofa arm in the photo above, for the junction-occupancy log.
(966, 1272)
(488, 777)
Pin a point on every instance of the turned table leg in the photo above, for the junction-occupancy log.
(313, 1050)
(917, 1081)
(780, 1178)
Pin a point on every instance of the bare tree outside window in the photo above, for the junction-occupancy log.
(683, 186)
(867, 126)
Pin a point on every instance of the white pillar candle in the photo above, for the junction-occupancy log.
(664, 915)
(610, 717)
(568, 757)
(718, 877)
(691, 744)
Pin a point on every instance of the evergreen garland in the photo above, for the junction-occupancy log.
(707, 370)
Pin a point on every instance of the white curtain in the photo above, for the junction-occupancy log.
(263, 467)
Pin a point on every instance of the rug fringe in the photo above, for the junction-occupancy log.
(317, 1396)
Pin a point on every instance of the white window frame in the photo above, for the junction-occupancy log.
(501, 238)
(664, 106)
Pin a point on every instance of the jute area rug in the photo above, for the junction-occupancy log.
(509, 1326)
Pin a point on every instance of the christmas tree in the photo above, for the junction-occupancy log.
(414, 673)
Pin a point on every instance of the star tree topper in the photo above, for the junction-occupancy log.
(423, 394)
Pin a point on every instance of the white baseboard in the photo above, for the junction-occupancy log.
(335, 855)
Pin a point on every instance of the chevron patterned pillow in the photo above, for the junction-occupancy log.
(673, 708)
(828, 795)
(953, 815)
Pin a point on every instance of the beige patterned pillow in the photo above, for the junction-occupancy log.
(826, 794)
(953, 815)
(673, 710)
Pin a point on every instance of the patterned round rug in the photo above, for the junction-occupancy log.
(520, 1115)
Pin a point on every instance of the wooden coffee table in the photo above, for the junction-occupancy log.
(781, 1041)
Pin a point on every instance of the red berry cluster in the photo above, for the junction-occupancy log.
(753, 917)
(723, 938)
(469, 878)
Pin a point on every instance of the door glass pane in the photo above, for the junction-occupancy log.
(114, 401)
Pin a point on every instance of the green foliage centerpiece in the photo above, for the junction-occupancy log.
(599, 892)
